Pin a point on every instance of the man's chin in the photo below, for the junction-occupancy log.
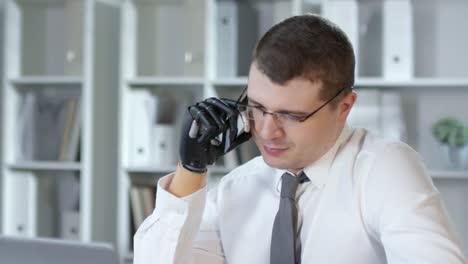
(276, 163)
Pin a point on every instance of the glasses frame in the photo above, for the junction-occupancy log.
(242, 101)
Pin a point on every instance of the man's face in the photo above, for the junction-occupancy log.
(295, 146)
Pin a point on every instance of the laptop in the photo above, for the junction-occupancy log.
(16, 250)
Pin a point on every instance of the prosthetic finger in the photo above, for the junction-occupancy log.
(210, 109)
(231, 116)
(229, 111)
(208, 128)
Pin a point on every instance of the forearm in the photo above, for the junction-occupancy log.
(186, 182)
(169, 233)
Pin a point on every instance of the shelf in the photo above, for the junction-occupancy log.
(150, 169)
(149, 81)
(449, 174)
(43, 2)
(114, 3)
(170, 169)
(47, 80)
(459, 83)
(45, 165)
(239, 81)
(437, 174)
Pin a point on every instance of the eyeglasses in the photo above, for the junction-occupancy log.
(257, 113)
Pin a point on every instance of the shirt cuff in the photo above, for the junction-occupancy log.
(166, 202)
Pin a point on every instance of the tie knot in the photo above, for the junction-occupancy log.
(288, 186)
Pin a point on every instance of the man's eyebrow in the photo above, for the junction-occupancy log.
(250, 100)
(290, 112)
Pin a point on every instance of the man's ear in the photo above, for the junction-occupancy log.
(346, 105)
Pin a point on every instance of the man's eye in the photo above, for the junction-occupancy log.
(291, 117)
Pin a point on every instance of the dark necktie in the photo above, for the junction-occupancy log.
(283, 240)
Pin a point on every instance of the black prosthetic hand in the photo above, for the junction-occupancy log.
(212, 128)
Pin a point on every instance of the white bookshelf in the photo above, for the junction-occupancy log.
(418, 83)
(193, 67)
(151, 81)
(2, 20)
(167, 170)
(449, 174)
(66, 47)
(46, 80)
(45, 166)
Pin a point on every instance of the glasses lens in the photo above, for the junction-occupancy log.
(254, 113)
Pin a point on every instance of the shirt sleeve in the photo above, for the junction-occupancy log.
(179, 230)
(405, 212)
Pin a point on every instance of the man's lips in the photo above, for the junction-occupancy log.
(274, 151)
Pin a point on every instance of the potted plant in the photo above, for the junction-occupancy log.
(453, 136)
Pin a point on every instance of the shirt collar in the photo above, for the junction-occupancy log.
(318, 171)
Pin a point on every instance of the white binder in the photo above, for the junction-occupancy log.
(164, 145)
(366, 111)
(226, 23)
(142, 116)
(398, 34)
(392, 120)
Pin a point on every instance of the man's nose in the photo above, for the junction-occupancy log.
(269, 128)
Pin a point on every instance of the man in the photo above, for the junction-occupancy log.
(321, 192)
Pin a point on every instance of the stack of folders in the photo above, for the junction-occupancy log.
(142, 202)
(153, 131)
(380, 112)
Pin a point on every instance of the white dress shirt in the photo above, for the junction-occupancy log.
(369, 200)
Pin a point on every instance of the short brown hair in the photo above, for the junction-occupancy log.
(309, 47)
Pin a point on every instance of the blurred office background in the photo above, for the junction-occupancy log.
(93, 92)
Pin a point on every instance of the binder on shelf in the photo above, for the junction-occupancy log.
(226, 25)
(26, 127)
(67, 197)
(73, 37)
(392, 120)
(163, 133)
(366, 112)
(50, 115)
(163, 147)
(344, 13)
(142, 202)
(380, 112)
(70, 228)
(71, 131)
(170, 50)
(193, 40)
(148, 196)
(398, 32)
(137, 206)
(251, 23)
(142, 114)
(49, 126)
(75, 134)
(70, 112)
